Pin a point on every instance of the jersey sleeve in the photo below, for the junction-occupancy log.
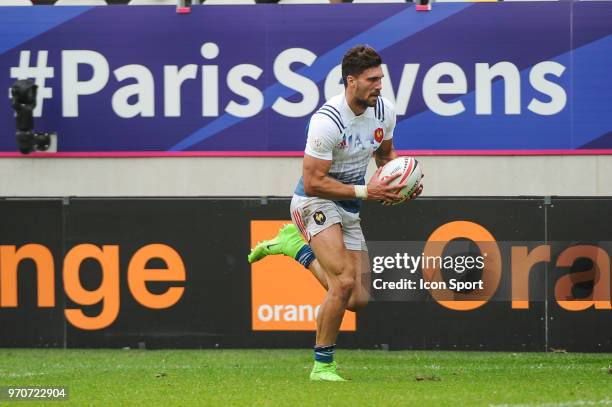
(389, 119)
(323, 135)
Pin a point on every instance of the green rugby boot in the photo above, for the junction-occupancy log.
(288, 241)
(325, 372)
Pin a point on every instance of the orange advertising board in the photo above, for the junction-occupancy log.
(285, 295)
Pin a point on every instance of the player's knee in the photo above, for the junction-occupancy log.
(355, 304)
(346, 284)
(339, 267)
(342, 287)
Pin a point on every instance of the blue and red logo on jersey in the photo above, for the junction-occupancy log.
(378, 135)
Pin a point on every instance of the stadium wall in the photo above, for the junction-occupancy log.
(207, 176)
(551, 98)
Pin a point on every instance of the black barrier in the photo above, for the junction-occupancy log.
(578, 222)
(25, 222)
(102, 252)
(428, 325)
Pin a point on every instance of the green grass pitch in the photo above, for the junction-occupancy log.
(280, 378)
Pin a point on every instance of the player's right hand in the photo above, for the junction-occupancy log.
(380, 190)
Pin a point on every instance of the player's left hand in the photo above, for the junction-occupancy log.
(412, 196)
(418, 191)
(415, 193)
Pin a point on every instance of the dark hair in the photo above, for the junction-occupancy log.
(358, 59)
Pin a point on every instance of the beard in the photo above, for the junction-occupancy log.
(366, 102)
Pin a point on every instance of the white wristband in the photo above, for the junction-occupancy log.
(361, 191)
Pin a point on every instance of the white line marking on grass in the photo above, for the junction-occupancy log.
(26, 374)
(602, 402)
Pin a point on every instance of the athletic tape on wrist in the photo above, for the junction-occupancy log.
(361, 191)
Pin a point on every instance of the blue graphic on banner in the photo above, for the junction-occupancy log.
(465, 78)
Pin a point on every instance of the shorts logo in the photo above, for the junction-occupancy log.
(319, 217)
(378, 135)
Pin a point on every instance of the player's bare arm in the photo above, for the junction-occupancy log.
(385, 153)
(318, 183)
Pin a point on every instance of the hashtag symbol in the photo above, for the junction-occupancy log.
(40, 73)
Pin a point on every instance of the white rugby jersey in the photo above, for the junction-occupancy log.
(336, 134)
